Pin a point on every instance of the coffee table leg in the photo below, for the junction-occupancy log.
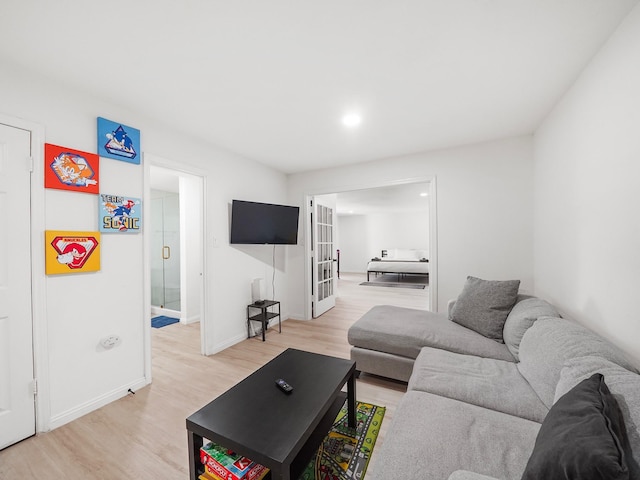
(351, 399)
(195, 442)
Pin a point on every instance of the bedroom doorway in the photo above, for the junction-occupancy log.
(367, 207)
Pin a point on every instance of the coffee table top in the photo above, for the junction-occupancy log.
(258, 420)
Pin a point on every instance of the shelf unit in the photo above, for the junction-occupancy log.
(264, 315)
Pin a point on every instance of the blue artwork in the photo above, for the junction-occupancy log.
(119, 214)
(118, 141)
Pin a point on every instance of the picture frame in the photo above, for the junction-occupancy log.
(119, 214)
(118, 141)
(69, 169)
(71, 252)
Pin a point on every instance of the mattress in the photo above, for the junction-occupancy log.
(398, 266)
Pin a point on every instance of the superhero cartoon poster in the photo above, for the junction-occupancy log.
(118, 141)
(71, 252)
(69, 169)
(119, 214)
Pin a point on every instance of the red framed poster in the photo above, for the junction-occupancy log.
(69, 169)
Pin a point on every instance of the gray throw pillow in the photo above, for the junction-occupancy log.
(483, 305)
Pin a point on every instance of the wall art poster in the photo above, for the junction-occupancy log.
(69, 169)
(119, 214)
(118, 141)
(71, 252)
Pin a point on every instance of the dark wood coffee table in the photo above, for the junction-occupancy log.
(278, 430)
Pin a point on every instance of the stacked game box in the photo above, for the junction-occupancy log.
(223, 464)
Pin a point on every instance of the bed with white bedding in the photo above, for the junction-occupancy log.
(401, 262)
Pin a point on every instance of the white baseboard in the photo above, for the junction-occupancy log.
(229, 343)
(191, 319)
(88, 407)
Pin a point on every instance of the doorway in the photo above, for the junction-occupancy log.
(176, 244)
(191, 193)
(415, 186)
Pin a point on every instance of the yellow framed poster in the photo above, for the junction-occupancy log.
(71, 252)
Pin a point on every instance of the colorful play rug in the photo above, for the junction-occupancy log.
(345, 452)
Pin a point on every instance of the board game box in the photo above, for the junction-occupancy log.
(228, 465)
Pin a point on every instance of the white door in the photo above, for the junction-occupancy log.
(17, 403)
(322, 228)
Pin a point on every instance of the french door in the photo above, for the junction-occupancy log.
(323, 232)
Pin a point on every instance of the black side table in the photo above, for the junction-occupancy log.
(264, 316)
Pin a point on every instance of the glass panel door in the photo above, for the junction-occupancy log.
(165, 250)
(322, 225)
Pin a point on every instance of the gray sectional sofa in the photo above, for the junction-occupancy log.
(500, 408)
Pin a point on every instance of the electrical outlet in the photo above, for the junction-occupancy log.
(110, 341)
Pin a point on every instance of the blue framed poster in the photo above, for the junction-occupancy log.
(118, 141)
(119, 214)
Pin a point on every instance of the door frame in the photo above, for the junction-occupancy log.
(433, 233)
(42, 400)
(152, 160)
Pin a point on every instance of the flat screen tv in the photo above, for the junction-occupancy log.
(264, 223)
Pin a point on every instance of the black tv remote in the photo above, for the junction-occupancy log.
(284, 386)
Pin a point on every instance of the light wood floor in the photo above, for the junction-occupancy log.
(143, 436)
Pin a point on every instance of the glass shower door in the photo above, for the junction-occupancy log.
(165, 250)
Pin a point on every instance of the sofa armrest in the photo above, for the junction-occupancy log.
(450, 305)
(466, 475)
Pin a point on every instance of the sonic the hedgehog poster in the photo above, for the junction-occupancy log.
(118, 141)
(119, 214)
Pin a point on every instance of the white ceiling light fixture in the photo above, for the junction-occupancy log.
(424, 194)
(351, 120)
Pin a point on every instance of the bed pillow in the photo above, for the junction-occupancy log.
(483, 305)
(582, 437)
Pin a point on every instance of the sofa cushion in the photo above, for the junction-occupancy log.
(483, 305)
(550, 342)
(486, 382)
(404, 331)
(583, 437)
(622, 383)
(383, 364)
(431, 436)
(526, 311)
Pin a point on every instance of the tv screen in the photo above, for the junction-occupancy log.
(263, 223)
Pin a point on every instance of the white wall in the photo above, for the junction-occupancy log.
(353, 243)
(484, 210)
(587, 212)
(191, 218)
(82, 308)
(363, 237)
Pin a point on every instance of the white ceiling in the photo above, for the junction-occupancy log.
(271, 79)
(391, 199)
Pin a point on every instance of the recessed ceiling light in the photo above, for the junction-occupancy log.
(351, 120)
(424, 194)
